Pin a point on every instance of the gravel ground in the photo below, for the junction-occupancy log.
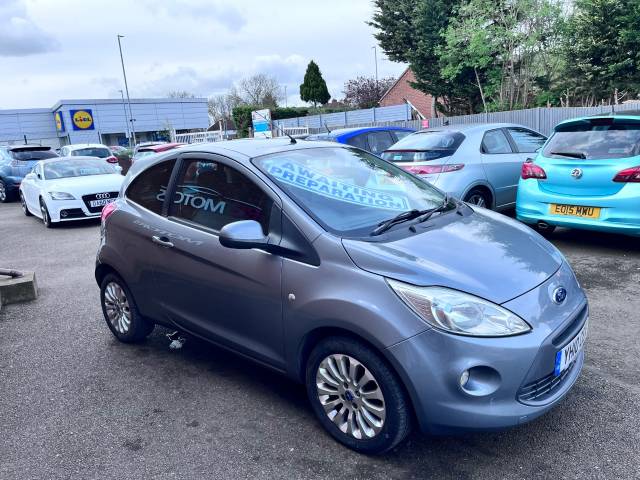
(75, 403)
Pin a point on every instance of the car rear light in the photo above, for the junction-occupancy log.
(112, 159)
(628, 175)
(531, 170)
(432, 169)
(107, 210)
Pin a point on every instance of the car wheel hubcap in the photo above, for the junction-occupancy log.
(477, 200)
(117, 307)
(3, 192)
(45, 214)
(23, 202)
(350, 396)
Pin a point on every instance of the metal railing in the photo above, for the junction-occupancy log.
(199, 137)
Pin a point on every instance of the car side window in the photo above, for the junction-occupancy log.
(212, 194)
(359, 141)
(379, 141)
(526, 140)
(495, 142)
(148, 189)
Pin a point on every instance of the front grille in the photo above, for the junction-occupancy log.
(544, 387)
(88, 198)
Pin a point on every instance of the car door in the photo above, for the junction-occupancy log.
(501, 165)
(230, 296)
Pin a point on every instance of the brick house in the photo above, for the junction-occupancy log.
(402, 91)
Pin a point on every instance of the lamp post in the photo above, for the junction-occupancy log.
(375, 59)
(285, 96)
(126, 87)
(126, 119)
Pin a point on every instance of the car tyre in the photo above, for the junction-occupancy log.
(5, 196)
(478, 197)
(342, 370)
(46, 218)
(120, 311)
(25, 209)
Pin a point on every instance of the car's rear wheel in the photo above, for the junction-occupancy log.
(478, 197)
(356, 396)
(46, 218)
(5, 196)
(120, 311)
(25, 209)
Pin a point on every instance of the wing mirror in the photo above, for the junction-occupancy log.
(243, 234)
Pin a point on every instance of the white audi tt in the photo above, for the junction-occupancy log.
(69, 188)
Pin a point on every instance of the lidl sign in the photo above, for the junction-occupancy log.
(59, 121)
(82, 119)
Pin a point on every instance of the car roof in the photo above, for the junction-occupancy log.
(339, 132)
(12, 148)
(615, 117)
(78, 146)
(160, 147)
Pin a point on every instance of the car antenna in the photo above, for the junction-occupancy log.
(293, 140)
(325, 126)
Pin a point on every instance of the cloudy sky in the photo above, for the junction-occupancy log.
(67, 49)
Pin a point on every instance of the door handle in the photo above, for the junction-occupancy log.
(162, 241)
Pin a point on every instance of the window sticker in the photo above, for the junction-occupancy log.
(300, 176)
(195, 197)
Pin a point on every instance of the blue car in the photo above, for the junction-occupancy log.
(372, 139)
(586, 176)
(15, 162)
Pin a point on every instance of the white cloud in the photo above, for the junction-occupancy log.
(19, 36)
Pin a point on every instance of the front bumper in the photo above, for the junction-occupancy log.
(619, 213)
(69, 210)
(507, 368)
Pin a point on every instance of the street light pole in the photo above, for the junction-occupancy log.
(375, 59)
(285, 96)
(126, 119)
(124, 74)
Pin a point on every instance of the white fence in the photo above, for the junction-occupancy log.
(198, 137)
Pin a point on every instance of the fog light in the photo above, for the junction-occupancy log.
(464, 378)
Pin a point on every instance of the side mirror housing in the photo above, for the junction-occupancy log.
(243, 234)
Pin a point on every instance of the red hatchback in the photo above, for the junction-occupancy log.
(151, 149)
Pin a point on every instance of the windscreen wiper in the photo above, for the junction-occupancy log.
(580, 155)
(402, 217)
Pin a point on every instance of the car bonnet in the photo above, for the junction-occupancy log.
(484, 254)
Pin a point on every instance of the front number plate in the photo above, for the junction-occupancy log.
(569, 353)
(574, 210)
(102, 202)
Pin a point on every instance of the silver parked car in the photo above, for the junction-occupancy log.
(389, 300)
(479, 164)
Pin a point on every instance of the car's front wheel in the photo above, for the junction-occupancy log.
(356, 396)
(120, 311)
(479, 198)
(23, 202)
(46, 218)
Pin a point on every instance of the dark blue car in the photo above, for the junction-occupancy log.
(372, 139)
(15, 162)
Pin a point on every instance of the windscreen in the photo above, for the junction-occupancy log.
(30, 155)
(92, 152)
(593, 140)
(77, 168)
(427, 145)
(346, 190)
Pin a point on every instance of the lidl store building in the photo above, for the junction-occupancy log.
(102, 121)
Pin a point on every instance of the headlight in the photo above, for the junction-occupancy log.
(459, 312)
(61, 196)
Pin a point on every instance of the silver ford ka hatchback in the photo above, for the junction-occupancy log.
(393, 303)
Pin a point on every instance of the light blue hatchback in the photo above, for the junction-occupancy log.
(587, 176)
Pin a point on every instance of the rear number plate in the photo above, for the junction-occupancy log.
(569, 353)
(574, 210)
(101, 203)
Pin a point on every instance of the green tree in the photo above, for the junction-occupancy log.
(411, 31)
(602, 52)
(314, 88)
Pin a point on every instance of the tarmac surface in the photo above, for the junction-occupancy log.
(77, 404)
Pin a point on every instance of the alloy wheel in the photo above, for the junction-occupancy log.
(477, 200)
(24, 204)
(45, 214)
(350, 396)
(3, 192)
(117, 307)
